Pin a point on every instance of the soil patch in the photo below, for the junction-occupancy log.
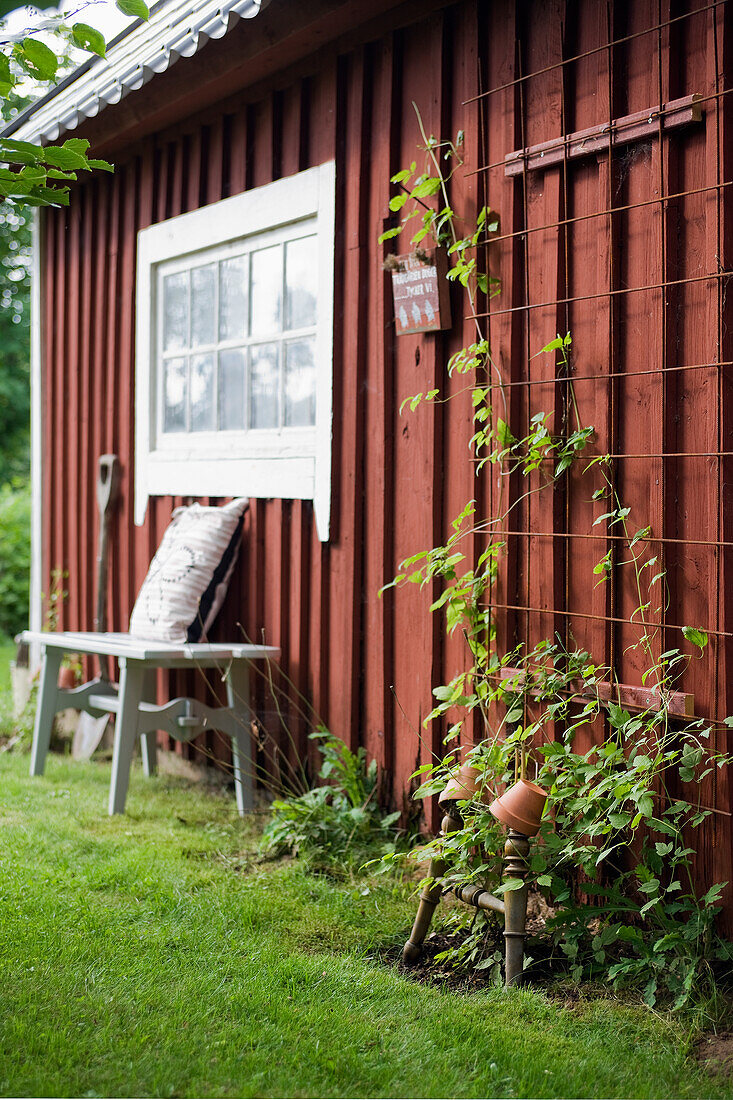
(715, 1052)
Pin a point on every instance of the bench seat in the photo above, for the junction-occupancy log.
(133, 703)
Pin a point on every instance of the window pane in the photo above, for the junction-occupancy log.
(233, 298)
(175, 311)
(300, 383)
(203, 305)
(174, 395)
(267, 275)
(264, 386)
(203, 418)
(231, 389)
(301, 279)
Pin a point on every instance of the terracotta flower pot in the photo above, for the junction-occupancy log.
(520, 807)
(464, 785)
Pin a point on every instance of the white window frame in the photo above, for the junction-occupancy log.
(291, 463)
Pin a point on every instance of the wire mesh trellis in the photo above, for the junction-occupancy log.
(626, 249)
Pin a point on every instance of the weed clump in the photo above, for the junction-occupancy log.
(337, 826)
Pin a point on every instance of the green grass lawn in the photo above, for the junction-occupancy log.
(152, 955)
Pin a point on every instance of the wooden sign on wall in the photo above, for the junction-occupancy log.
(420, 291)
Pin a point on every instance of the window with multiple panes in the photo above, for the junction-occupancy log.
(236, 338)
(234, 356)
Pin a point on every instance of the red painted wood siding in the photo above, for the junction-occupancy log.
(367, 665)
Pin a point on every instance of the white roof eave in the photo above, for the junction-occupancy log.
(176, 29)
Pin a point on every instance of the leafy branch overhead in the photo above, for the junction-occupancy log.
(31, 174)
(37, 175)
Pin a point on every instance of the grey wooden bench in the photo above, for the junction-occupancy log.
(137, 714)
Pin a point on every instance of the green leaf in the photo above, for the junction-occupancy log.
(618, 716)
(510, 886)
(19, 152)
(646, 805)
(427, 187)
(695, 636)
(7, 80)
(36, 58)
(643, 533)
(553, 345)
(64, 156)
(504, 434)
(397, 202)
(89, 39)
(135, 8)
(404, 175)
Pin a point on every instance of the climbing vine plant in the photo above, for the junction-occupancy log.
(613, 859)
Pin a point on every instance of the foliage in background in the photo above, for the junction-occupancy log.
(337, 825)
(31, 174)
(15, 293)
(15, 560)
(624, 790)
(15, 243)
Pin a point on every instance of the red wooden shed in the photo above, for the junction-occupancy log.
(600, 133)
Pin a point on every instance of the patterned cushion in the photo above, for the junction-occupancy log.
(189, 576)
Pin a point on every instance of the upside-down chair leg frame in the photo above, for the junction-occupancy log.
(513, 907)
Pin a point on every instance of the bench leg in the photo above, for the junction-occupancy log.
(149, 741)
(131, 689)
(45, 709)
(238, 700)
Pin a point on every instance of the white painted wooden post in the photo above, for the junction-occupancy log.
(238, 699)
(45, 708)
(132, 676)
(37, 439)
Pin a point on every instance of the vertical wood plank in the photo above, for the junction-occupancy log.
(345, 556)
(382, 68)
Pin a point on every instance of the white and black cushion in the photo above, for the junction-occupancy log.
(189, 575)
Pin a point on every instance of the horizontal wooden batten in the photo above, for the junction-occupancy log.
(640, 126)
(680, 704)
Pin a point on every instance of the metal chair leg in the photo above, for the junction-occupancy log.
(430, 896)
(516, 851)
